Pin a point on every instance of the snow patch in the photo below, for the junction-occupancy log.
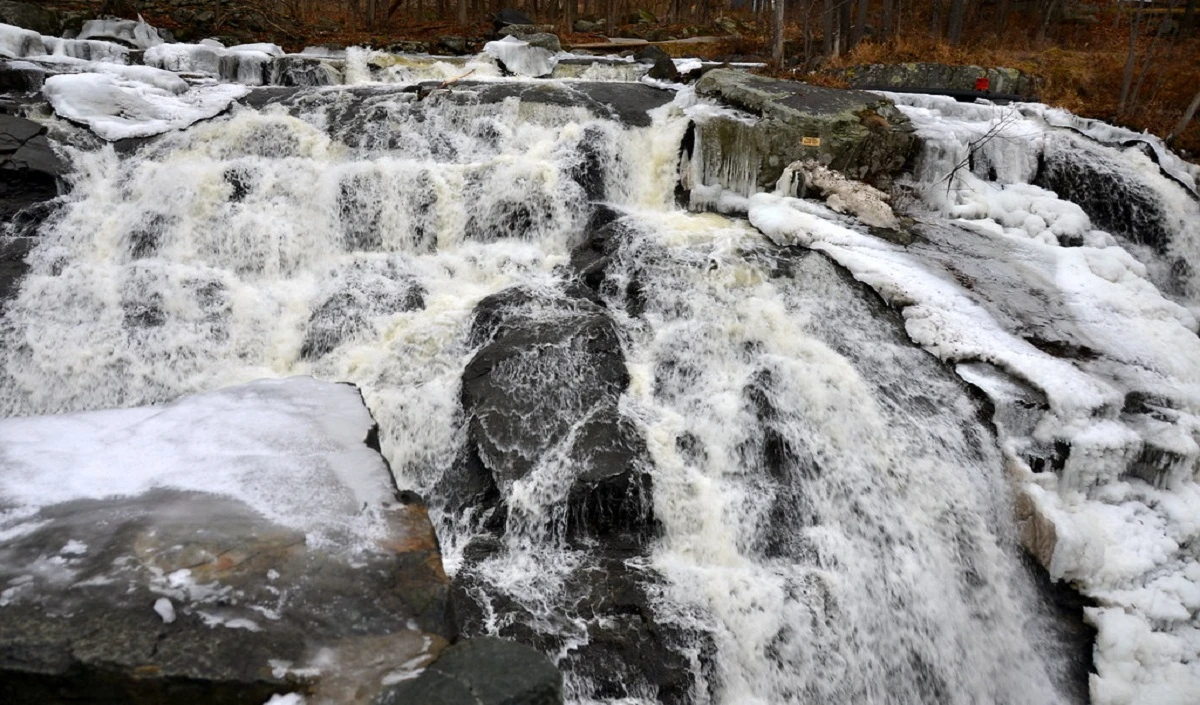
(165, 609)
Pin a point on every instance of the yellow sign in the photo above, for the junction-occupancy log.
(811, 141)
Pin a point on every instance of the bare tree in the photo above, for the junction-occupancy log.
(1130, 61)
(777, 34)
(958, 11)
(860, 24)
(831, 27)
(1183, 122)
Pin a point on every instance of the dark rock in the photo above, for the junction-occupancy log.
(31, 17)
(30, 171)
(455, 45)
(13, 251)
(589, 170)
(859, 134)
(482, 671)
(410, 47)
(508, 17)
(26, 79)
(1115, 201)
(628, 103)
(547, 380)
(664, 70)
(354, 298)
(545, 40)
(587, 26)
(650, 54)
(941, 79)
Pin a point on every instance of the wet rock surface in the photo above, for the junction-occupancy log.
(177, 594)
(482, 671)
(859, 134)
(520, 412)
(29, 166)
(541, 392)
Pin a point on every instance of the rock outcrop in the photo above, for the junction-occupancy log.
(859, 134)
(943, 79)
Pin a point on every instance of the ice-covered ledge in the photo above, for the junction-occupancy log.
(230, 545)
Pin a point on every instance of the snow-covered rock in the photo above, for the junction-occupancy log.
(142, 103)
(138, 35)
(248, 538)
(522, 58)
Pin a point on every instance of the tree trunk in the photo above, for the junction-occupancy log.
(1187, 118)
(1189, 16)
(830, 28)
(1051, 6)
(885, 22)
(860, 24)
(1163, 25)
(777, 33)
(1130, 61)
(462, 12)
(958, 10)
(845, 16)
(935, 20)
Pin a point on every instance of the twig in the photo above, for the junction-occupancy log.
(451, 82)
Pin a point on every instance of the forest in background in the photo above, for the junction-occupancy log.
(1130, 63)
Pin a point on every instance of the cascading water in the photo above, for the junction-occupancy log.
(824, 512)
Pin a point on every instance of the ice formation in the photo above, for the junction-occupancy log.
(520, 58)
(136, 105)
(275, 445)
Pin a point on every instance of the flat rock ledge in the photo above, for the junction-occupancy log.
(944, 79)
(225, 548)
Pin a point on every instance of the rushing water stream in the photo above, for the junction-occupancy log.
(833, 512)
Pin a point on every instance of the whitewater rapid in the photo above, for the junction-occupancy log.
(836, 503)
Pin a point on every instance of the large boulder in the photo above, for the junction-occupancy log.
(859, 134)
(541, 396)
(224, 548)
(27, 16)
(942, 79)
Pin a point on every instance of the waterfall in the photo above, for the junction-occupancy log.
(826, 507)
